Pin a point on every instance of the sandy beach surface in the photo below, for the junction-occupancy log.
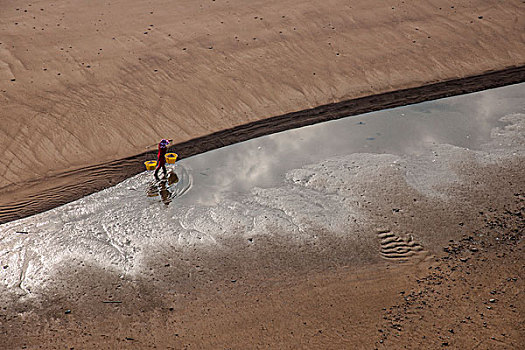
(457, 281)
(435, 258)
(83, 86)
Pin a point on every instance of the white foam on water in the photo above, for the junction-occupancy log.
(437, 166)
(508, 140)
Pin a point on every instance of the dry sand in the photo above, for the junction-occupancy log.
(83, 86)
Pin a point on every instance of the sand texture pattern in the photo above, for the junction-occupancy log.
(85, 87)
(394, 262)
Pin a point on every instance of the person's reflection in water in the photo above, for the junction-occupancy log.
(165, 193)
(172, 178)
(164, 190)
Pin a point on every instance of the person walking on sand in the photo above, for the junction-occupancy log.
(161, 159)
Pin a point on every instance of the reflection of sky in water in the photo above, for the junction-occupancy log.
(464, 121)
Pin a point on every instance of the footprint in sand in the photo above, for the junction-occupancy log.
(395, 248)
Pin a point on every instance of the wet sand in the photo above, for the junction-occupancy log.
(86, 88)
(461, 288)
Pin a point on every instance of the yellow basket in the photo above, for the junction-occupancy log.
(150, 164)
(171, 158)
